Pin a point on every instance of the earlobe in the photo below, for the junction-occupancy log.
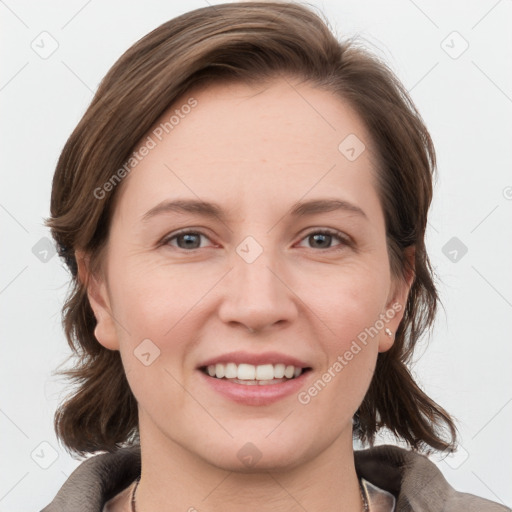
(97, 294)
(395, 307)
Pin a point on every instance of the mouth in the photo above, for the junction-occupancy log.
(254, 375)
(255, 379)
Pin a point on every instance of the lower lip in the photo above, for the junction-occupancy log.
(257, 394)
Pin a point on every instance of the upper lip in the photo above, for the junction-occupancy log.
(240, 357)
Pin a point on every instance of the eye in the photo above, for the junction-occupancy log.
(322, 239)
(186, 240)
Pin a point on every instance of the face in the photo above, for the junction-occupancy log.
(292, 246)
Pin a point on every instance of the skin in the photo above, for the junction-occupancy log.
(254, 150)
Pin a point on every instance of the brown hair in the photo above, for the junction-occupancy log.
(245, 42)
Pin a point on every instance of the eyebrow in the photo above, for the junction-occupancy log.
(208, 209)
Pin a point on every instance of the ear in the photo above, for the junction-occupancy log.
(395, 306)
(97, 294)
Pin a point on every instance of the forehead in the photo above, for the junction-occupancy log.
(280, 141)
(276, 118)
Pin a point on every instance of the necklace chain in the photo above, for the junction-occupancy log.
(366, 507)
(134, 508)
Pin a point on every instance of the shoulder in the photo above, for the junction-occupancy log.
(416, 482)
(97, 480)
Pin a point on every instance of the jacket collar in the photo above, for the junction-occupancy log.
(416, 481)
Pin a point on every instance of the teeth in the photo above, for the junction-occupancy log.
(279, 371)
(220, 370)
(231, 371)
(245, 372)
(265, 372)
(289, 371)
(249, 372)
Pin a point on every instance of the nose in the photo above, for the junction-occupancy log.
(258, 295)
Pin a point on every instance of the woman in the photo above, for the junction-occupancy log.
(226, 360)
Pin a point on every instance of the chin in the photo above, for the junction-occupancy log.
(246, 454)
(285, 460)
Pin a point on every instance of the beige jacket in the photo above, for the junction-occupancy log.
(413, 479)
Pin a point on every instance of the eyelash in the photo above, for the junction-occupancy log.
(345, 241)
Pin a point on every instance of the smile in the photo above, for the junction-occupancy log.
(255, 379)
(249, 373)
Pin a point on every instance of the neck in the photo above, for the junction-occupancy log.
(173, 478)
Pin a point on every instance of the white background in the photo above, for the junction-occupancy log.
(467, 105)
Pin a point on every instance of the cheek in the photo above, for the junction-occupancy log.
(348, 311)
(154, 299)
(350, 300)
(161, 305)
(349, 339)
